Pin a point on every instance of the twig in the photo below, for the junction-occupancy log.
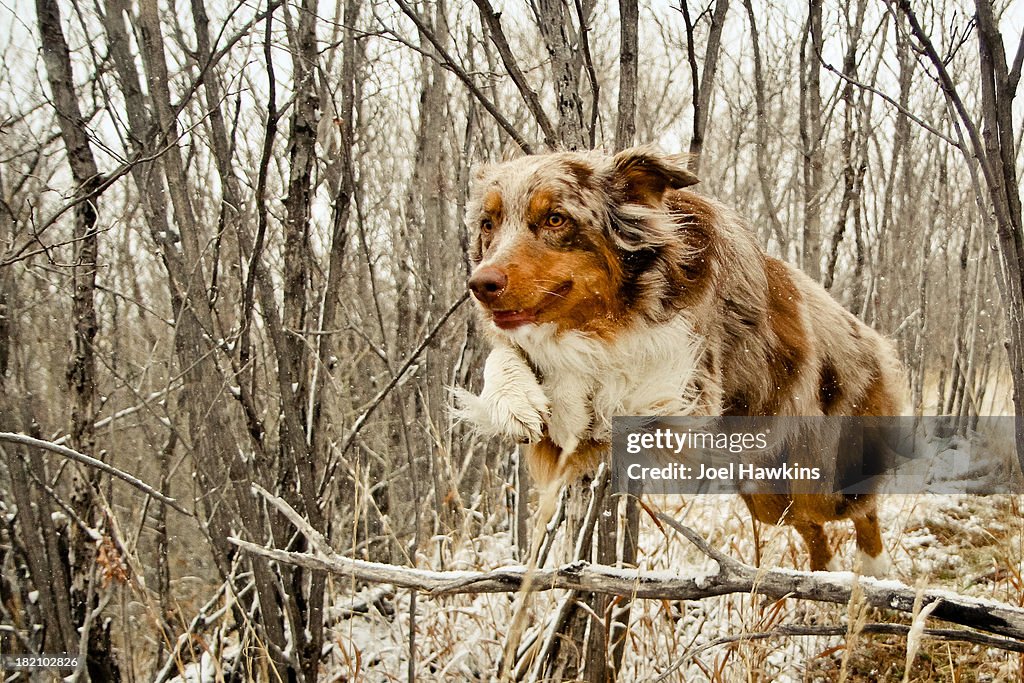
(725, 562)
(424, 343)
(102, 182)
(23, 440)
(903, 110)
(100, 424)
(949, 87)
(551, 527)
(497, 35)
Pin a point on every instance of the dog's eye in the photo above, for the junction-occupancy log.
(556, 220)
(486, 226)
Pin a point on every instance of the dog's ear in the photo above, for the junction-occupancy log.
(637, 181)
(641, 175)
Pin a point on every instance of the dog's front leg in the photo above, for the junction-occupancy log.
(570, 412)
(512, 403)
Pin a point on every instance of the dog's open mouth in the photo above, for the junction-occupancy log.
(509, 319)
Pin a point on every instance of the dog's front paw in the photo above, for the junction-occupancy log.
(571, 418)
(512, 403)
(520, 417)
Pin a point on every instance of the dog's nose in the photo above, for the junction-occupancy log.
(488, 283)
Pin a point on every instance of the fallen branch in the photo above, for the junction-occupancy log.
(379, 600)
(732, 576)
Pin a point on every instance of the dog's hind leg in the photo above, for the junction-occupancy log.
(873, 561)
(814, 536)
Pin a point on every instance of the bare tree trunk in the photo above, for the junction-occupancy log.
(999, 88)
(600, 662)
(6, 286)
(850, 162)
(617, 620)
(761, 146)
(994, 147)
(297, 255)
(344, 194)
(619, 635)
(812, 138)
(163, 560)
(305, 605)
(625, 124)
(81, 371)
(46, 566)
(576, 643)
(969, 401)
(215, 455)
(492, 22)
(555, 23)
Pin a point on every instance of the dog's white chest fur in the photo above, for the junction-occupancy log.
(584, 381)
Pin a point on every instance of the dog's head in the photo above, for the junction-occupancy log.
(581, 240)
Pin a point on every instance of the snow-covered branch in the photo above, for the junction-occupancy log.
(732, 576)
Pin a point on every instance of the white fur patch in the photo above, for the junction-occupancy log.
(585, 382)
(873, 566)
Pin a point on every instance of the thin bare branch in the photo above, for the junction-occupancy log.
(903, 110)
(23, 440)
(125, 412)
(949, 87)
(382, 394)
(448, 62)
(497, 35)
